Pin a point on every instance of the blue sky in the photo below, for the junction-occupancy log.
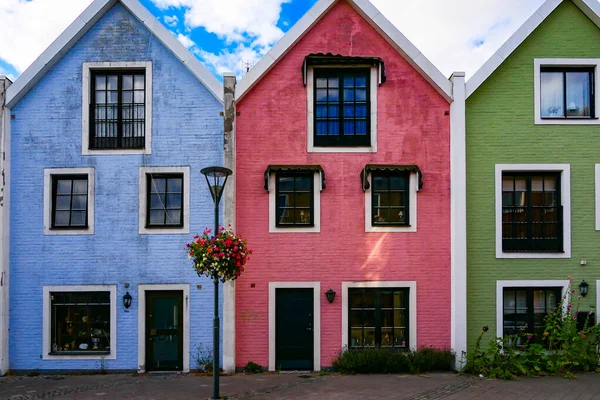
(227, 34)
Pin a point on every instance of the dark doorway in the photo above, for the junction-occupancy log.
(294, 324)
(164, 330)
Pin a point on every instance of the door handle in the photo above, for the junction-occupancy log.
(309, 329)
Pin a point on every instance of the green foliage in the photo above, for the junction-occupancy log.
(204, 359)
(566, 349)
(384, 361)
(252, 368)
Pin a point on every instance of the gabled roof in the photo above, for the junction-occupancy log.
(384, 27)
(591, 8)
(82, 24)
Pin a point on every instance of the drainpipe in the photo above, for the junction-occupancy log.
(229, 82)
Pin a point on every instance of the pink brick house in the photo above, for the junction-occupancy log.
(342, 184)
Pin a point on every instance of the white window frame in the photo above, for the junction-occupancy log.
(46, 321)
(500, 285)
(565, 62)
(317, 188)
(596, 311)
(316, 286)
(374, 85)
(597, 167)
(412, 306)
(86, 92)
(143, 200)
(185, 288)
(412, 204)
(51, 172)
(565, 191)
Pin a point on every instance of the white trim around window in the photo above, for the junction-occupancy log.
(311, 148)
(412, 306)
(273, 228)
(316, 286)
(565, 183)
(597, 301)
(143, 200)
(565, 62)
(597, 167)
(51, 172)
(412, 211)
(500, 285)
(46, 321)
(86, 91)
(185, 288)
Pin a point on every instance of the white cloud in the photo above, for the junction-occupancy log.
(171, 21)
(458, 35)
(236, 60)
(233, 20)
(28, 27)
(186, 40)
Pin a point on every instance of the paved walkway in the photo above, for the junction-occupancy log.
(290, 386)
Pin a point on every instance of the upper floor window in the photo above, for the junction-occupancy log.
(532, 217)
(342, 108)
(295, 199)
(165, 200)
(69, 201)
(390, 199)
(118, 109)
(567, 92)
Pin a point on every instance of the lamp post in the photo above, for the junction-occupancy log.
(216, 178)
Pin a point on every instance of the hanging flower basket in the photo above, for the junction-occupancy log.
(221, 257)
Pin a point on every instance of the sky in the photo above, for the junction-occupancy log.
(232, 35)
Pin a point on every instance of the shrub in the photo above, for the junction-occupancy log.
(252, 368)
(385, 361)
(204, 359)
(566, 349)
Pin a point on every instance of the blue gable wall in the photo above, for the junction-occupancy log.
(46, 133)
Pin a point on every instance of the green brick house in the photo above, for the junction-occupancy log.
(533, 171)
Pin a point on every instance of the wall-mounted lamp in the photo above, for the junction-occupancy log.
(127, 300)
(583, 288)
(330, 295)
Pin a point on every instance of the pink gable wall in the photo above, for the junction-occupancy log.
(412, 129)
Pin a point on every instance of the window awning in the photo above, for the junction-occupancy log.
(294, 168)
(319, 59)
(389, 168)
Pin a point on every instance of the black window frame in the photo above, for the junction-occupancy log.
(75, 323)
(390, 174)
(167, 176)
(54, 182)
(564, 71)
(556, 291)
(378, 317)
(311, 177)
(529, 244)
(342, 140)
(119, 142)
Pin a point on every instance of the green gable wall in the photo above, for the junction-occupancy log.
(501, 130)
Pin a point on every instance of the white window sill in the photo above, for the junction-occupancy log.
(332, 149)
(532, 255)
(407, 229)
(115, 152)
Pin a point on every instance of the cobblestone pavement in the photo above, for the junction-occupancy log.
(295, 386)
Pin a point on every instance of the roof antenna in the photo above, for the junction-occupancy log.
(247, 65)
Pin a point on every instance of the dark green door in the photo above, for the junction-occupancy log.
(294, 324)
(164, 330)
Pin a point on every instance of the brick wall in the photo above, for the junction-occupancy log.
(46, 133)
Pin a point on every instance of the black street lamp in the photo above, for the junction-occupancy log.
(583, 288)
(216, 178)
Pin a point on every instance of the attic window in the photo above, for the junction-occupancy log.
(328, 60)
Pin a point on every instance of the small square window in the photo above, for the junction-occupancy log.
(294, 200)
(567, 92)
(342, 109)
(69, 201)
(390, 199)
(165, 200)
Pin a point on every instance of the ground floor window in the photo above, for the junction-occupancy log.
(80, 322)
(378, 317)
(525, 310)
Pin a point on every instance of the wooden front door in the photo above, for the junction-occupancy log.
(294, 324)
(164, 330)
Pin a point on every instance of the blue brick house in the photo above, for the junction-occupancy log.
(109, 130)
